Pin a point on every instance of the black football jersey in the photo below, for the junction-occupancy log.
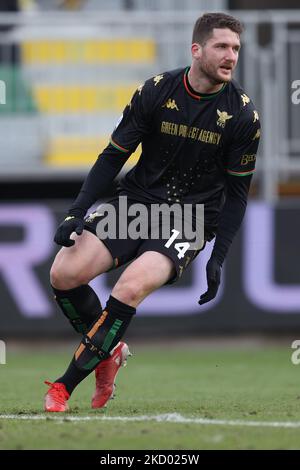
(190, 141)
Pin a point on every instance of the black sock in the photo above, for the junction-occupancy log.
(81, 306)
(104, 335)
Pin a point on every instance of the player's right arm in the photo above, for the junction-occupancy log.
(133, 125)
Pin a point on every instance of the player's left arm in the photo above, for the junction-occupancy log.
(240, 166)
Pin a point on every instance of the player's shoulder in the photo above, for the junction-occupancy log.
(156, 88)
(163, 80)
(242, 103)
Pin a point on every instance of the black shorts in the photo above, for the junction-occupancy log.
(127, 249)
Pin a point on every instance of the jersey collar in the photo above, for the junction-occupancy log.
(194, 94)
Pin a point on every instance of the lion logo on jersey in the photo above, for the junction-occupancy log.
(223, 118)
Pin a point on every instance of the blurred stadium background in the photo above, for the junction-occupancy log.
(69, 68)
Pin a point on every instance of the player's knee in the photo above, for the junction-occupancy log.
(63, 278)
(129, 292)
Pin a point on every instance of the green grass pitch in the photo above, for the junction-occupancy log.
(258, 385)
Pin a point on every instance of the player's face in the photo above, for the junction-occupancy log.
(218, 57)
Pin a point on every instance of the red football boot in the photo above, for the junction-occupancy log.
(106, 373)
(56, 397)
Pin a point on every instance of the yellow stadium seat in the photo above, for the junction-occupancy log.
(133, 50)
(82, 98)
(75, 151)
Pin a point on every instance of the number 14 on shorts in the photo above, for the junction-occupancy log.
(181, 247)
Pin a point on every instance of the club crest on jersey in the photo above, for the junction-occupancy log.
(170, 104)
(245, 99)
(223, 118)
(157, 79)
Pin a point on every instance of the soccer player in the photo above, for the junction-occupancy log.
(199, 133)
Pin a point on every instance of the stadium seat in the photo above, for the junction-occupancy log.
(78, 98)
(48, 52)
(74, 79)
(64, 151)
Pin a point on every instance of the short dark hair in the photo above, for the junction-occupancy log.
(206, 23)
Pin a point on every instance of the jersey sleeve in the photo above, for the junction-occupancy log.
(135, 121)
(241, 155)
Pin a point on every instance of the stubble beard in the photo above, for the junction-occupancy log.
(208, 71)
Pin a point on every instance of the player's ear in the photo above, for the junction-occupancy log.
(196, 50)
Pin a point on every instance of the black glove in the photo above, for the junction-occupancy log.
(213, 274)
(69, 225)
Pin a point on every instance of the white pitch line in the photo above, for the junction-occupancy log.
(166, 418)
